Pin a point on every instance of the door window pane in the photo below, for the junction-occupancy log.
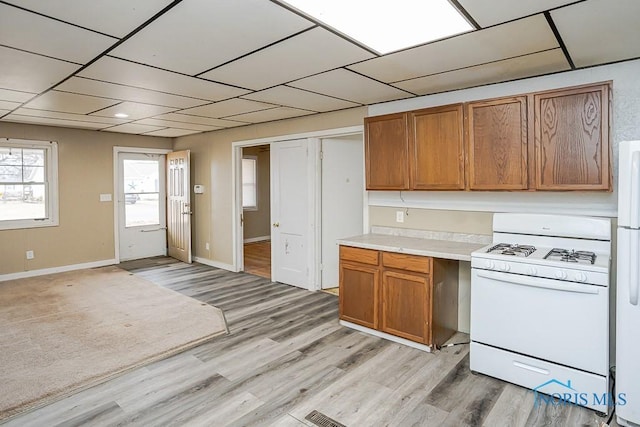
(141, 192)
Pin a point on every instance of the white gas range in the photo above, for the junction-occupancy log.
(540, 306)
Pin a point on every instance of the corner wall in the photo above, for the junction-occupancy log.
(85, 170)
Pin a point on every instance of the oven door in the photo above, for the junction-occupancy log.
(561, 322)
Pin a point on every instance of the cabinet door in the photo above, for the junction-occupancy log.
(572, 139)
(436, 147)
(387, 152)
(359, 294)
(497, 149)
(406, 305)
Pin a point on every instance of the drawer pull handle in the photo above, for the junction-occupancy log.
(531, 368)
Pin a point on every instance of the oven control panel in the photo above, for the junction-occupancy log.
(545, 271)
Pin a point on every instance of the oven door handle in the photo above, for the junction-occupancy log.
(515, 279)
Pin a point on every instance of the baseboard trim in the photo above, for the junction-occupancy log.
(53, 270)
(215, 264)
(386, 336)
(257, 239)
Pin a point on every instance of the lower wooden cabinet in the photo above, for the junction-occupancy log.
(409, 296)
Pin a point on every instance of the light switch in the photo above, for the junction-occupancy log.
(105, 197)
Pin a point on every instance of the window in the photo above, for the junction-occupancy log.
(28, 184)
(249, 183)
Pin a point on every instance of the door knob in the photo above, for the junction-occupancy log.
(276, 224)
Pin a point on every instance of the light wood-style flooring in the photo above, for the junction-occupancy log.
(286, 355)
(257, 258)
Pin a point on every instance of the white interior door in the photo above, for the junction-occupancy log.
(179, 205)
(342, 199)
(290, 198)
(142, 220)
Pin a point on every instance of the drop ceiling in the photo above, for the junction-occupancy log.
(183, 67)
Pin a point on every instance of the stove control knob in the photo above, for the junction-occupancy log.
(561, 275)
(531, 271)
(505, 267)
(490, 265)
(581, 277)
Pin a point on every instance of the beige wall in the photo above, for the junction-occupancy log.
(85, 170)
(211, 164)
(430, 219)
(257, 222)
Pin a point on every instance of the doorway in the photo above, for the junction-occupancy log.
(296, 178)
(141, 211)
(256, 205)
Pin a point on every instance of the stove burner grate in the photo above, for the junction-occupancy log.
(512, 249)
(566, 255)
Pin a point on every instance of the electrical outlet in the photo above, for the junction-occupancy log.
(206, 246)
(30, 255)
(399, 216)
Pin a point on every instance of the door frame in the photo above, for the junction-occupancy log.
(116, 186)
(315, 182)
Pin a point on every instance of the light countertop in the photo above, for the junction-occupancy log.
(445, 249)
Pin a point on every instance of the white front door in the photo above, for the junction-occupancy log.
(142, 225)
(290, 198)
(342, 199)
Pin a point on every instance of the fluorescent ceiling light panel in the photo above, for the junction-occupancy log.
(387, 26)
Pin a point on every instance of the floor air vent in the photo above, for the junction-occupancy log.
(320, 419)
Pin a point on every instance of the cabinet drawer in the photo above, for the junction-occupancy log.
(364, 256)
(419, 264)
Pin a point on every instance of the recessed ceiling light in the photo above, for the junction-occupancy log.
(388, 26)
(121, 115)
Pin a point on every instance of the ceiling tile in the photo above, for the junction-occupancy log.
(298, 98)
(179, 39)
(28, 72)
(185, 118)
(177, 125)
(49, 37)
(9, 105)
(127, 93)
(69, 116)
(346, 84)
(115, 70)
(134, 110)
(291, 59)
(14, 96)
(132, 128)
(171, 133)
(613, 31)
(492, 44)
(272, 114)
(116, 18)
(69, 102)
(228, 108)
(509, 69)
(53, 122)
(491, 12)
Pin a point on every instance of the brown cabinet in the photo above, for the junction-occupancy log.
(359, 286)
(436, 144)
(409, 296)
(572, 139)
(555, 140)
(497, 148)
(387, 152)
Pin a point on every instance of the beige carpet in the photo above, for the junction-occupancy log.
(65, 332)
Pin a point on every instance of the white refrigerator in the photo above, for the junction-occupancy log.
(628, 286)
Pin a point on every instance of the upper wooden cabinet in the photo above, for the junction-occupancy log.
(387, 152)
(436, 148)
(572, 139)
(498, 144)
(554, 140)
